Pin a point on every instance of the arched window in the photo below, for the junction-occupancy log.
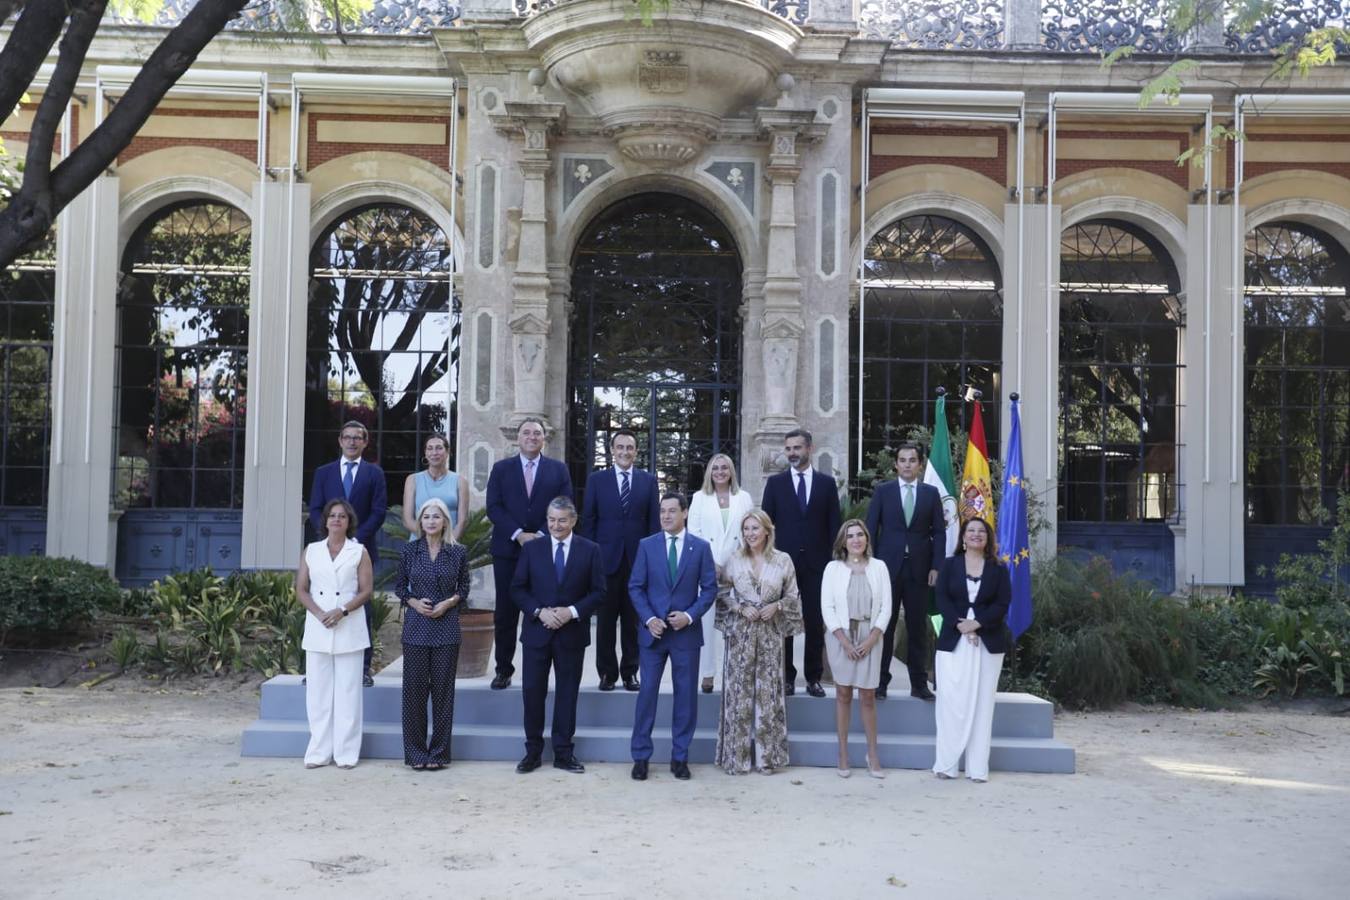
(182, 345)
(655, 343)
(383, 342)
(1120, 320)
(27, 300)
(1297, 420)
(934, 318)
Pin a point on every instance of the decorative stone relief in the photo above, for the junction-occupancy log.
(482, 368)
(827, 242)
(781, 339)
(528, 335)
(487, 216)
(579, 172)
(825, 365)
(663, 72)
(739, 177)
(482, 465)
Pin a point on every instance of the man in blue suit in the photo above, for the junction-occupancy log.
(804, 506)
(910, 536)
(619, 509)
(519, 489)
(558, 583)
(674, 582)
(362, 485)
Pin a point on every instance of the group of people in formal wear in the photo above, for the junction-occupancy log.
(709, 585)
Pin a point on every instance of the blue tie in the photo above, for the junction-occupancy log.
(801, 491)
(559, 563)
(347, 481)
(624, 491)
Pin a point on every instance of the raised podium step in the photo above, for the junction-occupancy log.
(488, 727)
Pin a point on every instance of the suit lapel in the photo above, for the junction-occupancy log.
(683, 564)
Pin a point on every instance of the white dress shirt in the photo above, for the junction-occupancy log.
(809, 472)
(679, 555)
(523, 460)
(567, 554)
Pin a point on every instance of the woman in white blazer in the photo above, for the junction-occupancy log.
(855, 602)
(334, 582)
(715, 514)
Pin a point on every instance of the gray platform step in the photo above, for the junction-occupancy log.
(488, 727)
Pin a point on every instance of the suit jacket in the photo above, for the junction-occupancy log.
(991, 603)
(510, 509)
(536, 586)
(369, 498)
(809, 538)
(603, 520)
(924, 539)
(705, 520)
(693, 591)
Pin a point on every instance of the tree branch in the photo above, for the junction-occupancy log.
(28, 44)
(85, 17)
(9, 8)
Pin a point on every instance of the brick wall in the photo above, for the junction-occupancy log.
(1178, 175)
(247, 149)
(994, 168)
(320, 152)
(1252, 169)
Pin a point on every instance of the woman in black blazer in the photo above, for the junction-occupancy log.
(973, 593)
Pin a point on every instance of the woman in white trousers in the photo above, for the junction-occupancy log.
(973, 593)
(334, 582)
(715, 514)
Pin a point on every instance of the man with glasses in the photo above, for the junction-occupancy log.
(361, 483)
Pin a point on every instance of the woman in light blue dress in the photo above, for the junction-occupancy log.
(437, 481)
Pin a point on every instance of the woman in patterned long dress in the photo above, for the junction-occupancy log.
(761, 608)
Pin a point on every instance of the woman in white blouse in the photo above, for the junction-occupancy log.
(715, 514)
(334, 582)
(855, 602)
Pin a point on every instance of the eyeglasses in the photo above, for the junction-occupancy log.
(355, 438)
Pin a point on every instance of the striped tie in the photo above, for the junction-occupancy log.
(625, 490)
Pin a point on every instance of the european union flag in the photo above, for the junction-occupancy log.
(1014, 547)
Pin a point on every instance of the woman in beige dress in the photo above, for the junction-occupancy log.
(855, 602)
(761, 608)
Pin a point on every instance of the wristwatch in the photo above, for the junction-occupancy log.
(344, 611)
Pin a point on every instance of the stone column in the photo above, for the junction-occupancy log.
(782, 324)
(834, 15)
(274, 436)
(79, 522)
(1212, 466)
(1031, 356)
(530, 323)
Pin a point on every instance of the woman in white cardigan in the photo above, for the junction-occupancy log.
(855, 602)
(715, 514)
(334, 581)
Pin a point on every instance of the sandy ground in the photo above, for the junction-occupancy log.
(130, 790)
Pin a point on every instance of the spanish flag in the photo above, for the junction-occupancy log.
(977, 496)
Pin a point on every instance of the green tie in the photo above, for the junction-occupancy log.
(671, 561)
(909, 502)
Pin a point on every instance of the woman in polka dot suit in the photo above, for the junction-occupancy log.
(433, 584)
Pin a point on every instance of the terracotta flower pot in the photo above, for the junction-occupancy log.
(475, 647)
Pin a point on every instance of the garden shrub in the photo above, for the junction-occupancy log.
(43, 599)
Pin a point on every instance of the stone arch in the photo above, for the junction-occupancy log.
(940, 203)
(1153, 218)
(143, 202)
(573, 223)
(1328, 217)
(952, 191)
(341, 200)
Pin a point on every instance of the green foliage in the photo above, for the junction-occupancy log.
(175, 594)
(42, 598)
(213, 621)
(125, 649)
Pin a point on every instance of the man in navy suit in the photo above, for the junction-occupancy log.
(519, 489)
(909, 535)
(619, 509)
(558, 583)
(674, 582)
(804, 506)
(362, 485)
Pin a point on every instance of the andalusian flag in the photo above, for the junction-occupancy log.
(939, 474)
(977, 495)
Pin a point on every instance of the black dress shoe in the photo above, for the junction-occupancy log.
(607, 683)
(528, 765)
(814, 689)
(789, 689)
(630, 683)
(640, 770)
(368, 680)
(568, 764)
(881, 692)
(501, 682)
(680, 769)
(923, 693)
